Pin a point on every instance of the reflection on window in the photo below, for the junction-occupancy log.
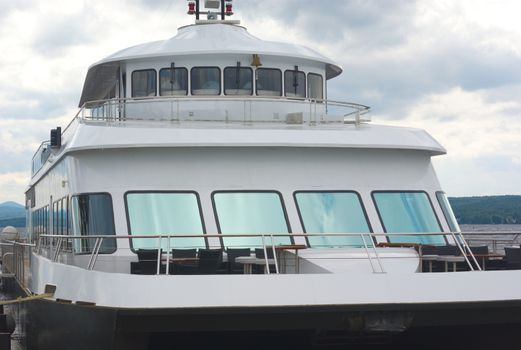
(268, 82)
(447, 212)
(238, 81)
(205, 81)
(316, 86)
(408, 212)
(92, 215)
(144, 83)
(157, 213)
(250, 213)
(332, 212)
(295, 83)
(173, 81)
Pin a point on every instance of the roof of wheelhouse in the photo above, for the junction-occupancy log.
(218, 38)
(207, 38)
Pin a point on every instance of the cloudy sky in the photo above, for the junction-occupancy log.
(450, 67)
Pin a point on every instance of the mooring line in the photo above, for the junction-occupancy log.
(24, 299)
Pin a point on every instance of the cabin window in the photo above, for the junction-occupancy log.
(408, 212)
(250, 213)
(173, 82)
(238, 81)
(205, 81)
(268, 82)
(315, 86)
(144, 83)
(164, 213)
(92, 215)
(295, 83)
(447, 212)
(333, 212)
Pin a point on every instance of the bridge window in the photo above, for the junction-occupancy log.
(315, 86)
(447, 212)
(295, 83)
(144, 83)
(205, 81)
(333, 212)
(92, 215)
(173, 81)
(238, 81)
(408, 212)
(268, 82)
(250, 213)
(168, 213)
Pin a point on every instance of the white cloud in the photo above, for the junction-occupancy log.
(13, 186)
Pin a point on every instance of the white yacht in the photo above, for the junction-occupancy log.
(208, 191)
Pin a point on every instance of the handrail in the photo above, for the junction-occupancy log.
(459, 241)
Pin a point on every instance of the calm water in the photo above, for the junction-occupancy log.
(479, 235)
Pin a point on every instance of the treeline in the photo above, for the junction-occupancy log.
(487, 210)
(16, 222)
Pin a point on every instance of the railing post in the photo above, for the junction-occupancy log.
(274, 254)
(159, 256)
(265, 254)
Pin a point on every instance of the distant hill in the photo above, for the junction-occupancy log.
(487, 209)
(12, 214)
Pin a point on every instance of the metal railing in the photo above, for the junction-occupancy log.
(227, 109)
(495, 240)
(16, 260)
(53, 246)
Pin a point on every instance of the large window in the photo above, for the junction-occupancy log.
(333, 212)
(238, 81)
(92, 215)
(268, 82)
(315, 86)
(250, 213)
(205, 81)
(162, 213)
(173, 82)
(144, 83)
(295, 83)
(408, 212)
(447, 212)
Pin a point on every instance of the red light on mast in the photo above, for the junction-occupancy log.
(229, 10)
(191, 8)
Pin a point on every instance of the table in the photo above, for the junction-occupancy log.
(296, 247)
(249, 261)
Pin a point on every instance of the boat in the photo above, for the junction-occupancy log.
(208, 193)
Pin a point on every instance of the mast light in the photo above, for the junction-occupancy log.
(191, 8)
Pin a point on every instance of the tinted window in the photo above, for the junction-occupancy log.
(92, 215)
(144, 83)
(268, 82)
(164, 213)
(250, 213)
(332, 212)
(315, 86)
(408, 212)
(447, 212)
(238, 81)
(295, 83)
(205, 81)
(173, 81)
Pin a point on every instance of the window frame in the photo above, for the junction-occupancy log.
(220, 80)
(283, 204)
(369, 226)
(305, 84)
(174, 68)
(113, 220)
(281, 82)
(405, 191)
(239, 67)
(132, 94)
(443, 211)
(322, 87)
(201, 216)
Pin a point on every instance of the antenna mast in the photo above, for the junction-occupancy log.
(214, 8)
